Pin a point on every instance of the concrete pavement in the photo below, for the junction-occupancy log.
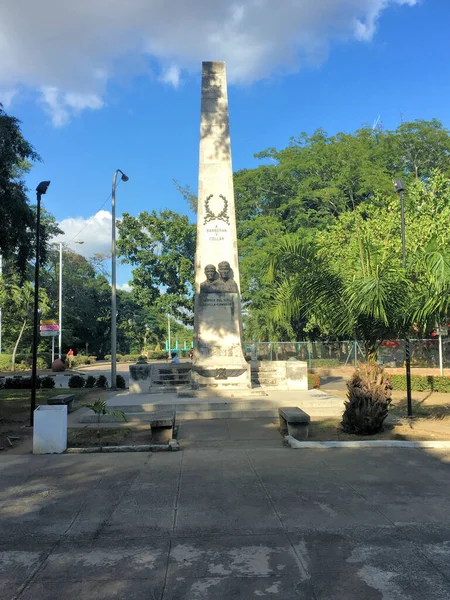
(220, 523)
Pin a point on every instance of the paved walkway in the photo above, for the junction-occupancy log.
(219, 523)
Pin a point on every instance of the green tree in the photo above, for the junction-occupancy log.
(161, 249)
(16, 216)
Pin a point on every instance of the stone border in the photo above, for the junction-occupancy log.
(172, 446)
(293, 443)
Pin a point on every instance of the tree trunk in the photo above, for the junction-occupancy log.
(13, 359)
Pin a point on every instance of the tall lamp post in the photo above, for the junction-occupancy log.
(400, 189)
(113, 282)
(41, 189)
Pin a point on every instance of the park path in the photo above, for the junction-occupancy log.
(219, 523)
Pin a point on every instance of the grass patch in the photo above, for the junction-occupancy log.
(109, 436)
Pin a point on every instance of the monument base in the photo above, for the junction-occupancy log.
(226, 376)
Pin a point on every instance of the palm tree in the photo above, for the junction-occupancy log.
(369, 300)
(99, 408)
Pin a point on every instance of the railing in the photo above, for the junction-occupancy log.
(424, 353)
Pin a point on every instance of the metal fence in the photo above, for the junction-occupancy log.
(424, 353)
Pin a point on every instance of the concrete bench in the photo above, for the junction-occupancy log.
(162, 427)
(294, 421)
(67, 399)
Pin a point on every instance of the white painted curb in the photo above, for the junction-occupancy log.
(293, 443)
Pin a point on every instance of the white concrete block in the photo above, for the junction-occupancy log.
(50, 430)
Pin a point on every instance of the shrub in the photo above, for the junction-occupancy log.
(157, 354)
(80, 359)
(313, 381)
(76, 381)
(330, 363)
(21, 383)
(120, 382)
(90, 381)
(48, 382)
(101, 382)
(441, 384)
(369, 396)
(131, 357)
(5, 362)
(422, 383)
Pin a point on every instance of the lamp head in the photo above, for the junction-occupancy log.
(124, 177)
(42, 187)
(399, 185)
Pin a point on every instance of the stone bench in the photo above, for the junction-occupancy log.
(67, 399)
(162, 427)
(294, 421)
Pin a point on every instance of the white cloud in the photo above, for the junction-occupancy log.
(126, 287)
(70, 51)
(171, 75)
(94, 232)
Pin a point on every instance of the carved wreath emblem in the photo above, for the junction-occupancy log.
(221, 216)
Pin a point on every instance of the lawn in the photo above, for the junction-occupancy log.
(15, 409)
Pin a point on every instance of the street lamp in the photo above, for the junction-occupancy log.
(400, 189)
(41, 189)
(113, 281)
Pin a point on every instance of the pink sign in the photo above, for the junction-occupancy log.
(49, 327)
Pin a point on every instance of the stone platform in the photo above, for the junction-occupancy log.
(141, 407)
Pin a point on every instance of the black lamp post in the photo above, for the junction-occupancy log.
(41, 189)
(400, 188)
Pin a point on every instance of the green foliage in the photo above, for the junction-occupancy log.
(161, 249)
(422, 383)
(99, 408)
(101, 382)
(79, 360)
(120, 382)
(76, 381)
(90, 381)
(313, 381)
(48, 382)
(369, 396)
(156, 354)
(21, 383)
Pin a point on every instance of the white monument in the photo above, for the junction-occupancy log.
(218, 354)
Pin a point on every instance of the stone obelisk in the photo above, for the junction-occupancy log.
(218, 353)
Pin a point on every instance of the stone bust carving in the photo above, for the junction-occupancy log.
(218, 282)
(211, 276)
(225, 283)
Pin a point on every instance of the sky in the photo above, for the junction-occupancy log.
(107, 84)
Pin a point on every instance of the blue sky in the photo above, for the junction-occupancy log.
(333, 76)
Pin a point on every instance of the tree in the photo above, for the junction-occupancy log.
(161, 249)
(17, 302)
(16, 216)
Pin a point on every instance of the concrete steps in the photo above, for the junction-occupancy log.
(314, 402)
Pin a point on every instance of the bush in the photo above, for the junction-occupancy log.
(21, 383)
(119, 357)
(157, 354)
(5, 362)
(120, 382)
(101, 382)
(422, 383)
(90, 381)
(330, 363)
(76, 381)
(79, 360)
(48, 382)
(313, 381)
(369, 396)
(131, 357)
